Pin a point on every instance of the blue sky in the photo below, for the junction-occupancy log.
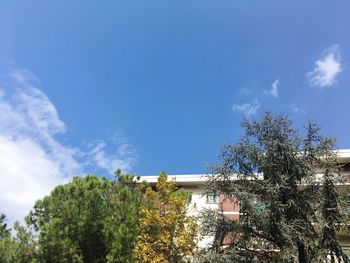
(87, 87)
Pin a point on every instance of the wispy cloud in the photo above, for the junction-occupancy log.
(274, 89)
(327, 68)
(296, 109)
(125, 156)
(248, 88)
(33, 160)
(24, 76)
(245, 90)
(248, 109)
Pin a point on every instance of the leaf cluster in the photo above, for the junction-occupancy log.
(167, 233)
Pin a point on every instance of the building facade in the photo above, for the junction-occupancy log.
(230, 208)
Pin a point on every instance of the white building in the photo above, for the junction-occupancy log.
(200, 199)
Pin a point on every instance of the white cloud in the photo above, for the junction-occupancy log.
(245, 90)
(32, 158)
(27, 173)
(248, 88)
(327, 68)
(296, 109)
(24, 76)
(247, 109)
(274, 89)
(32, 161)
(124, 158)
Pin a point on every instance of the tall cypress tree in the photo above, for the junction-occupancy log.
(285, 184)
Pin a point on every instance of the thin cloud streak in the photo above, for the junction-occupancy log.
(274, 89)
(248, 109)
(124, 158)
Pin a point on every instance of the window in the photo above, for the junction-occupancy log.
(212, 198)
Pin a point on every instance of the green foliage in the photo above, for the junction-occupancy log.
(6, 244)
(291, 214)
(122, 225)
(70, 221)
(25, 243)
(4, 231)
(88, 220)
(20, 248)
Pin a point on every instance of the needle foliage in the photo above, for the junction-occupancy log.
(89, 220)
(287, 183)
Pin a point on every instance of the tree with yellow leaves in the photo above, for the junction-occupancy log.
(167, 233)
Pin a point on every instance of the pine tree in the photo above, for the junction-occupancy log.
(121, 229)
(16, 247)
(89, 220)
(6, 242)
(279, 177)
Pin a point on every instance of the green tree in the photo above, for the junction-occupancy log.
(122, 224)
(70, 222)
(332, 218)
(88, 220)
(18, 248)
(289, 212)
(4, 230)
(7, 248)
(167, 233)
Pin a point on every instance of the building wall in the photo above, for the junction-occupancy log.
(229, 206)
